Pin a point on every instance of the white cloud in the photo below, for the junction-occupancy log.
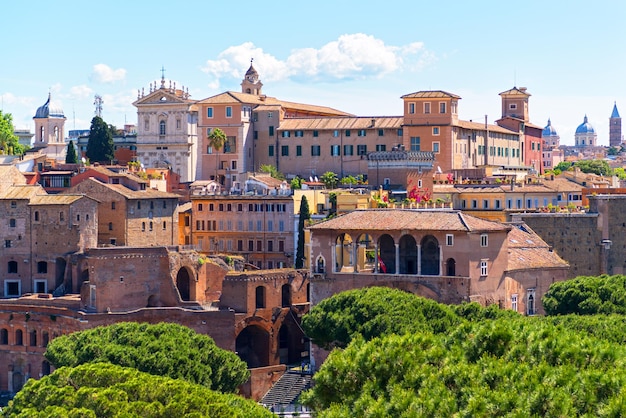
(102, 73)
(351, 56)
(80, 92)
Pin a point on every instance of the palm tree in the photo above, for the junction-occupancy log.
(217, 139)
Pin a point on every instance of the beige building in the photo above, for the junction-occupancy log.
(50, 130)
(167, 130)
(258, 228)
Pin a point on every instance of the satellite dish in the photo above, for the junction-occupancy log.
(311, 179)
(83, 160)
(316, 180)
(439, 170)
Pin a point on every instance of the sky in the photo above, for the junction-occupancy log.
(356, 56)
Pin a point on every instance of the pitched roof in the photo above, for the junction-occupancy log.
(528, 251)
(56, 199)
(409, 219)
(476, 126)
(435, 94)
(380, 122)
(23, 191)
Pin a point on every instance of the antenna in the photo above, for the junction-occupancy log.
(98, 103)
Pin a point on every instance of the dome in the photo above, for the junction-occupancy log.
(49, 110)
(585, 128)
(549, 130)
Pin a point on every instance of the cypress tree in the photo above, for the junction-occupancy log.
(70, 155)
(304, 216)
(100, 147)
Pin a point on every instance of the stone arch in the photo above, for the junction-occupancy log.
(18, 381)
(32, 338)
(430, 256)
(450, 267)
(290, 343)
(285, 295)
(365, 253)
(344, 261)
(408, 255)
(4, 336)
(19, 337)
(45, 368)
(154, 302)
(253, 346)
(45, 338)
(320, 265)
(185, 284)
(386, 254)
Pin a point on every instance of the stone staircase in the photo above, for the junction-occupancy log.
(287, 389)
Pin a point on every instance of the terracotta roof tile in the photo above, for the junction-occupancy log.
(527, 251)
(384, 122)
(430, 94)
(409, 219)
(23, 191)
(55, 199)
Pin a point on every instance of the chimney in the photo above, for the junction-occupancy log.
(373, 123)
(522, 89)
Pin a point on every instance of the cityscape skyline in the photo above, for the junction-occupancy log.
(349, 61)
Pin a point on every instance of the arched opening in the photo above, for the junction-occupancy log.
(408, 255)
(259, 300)
(285, 293)
(42, 267)
(153, 301)
(4, 336)
(320, 265)
(45, 338)
(19, 337)
(291, 342)
(366, 253)
(45, 368)
(59, 275)
(162, 127)
(183, 284)
(343, 253)
(450, 267)
(386, 255)
(33, 338)
(430, 256)
(18, 381)
(252, 346)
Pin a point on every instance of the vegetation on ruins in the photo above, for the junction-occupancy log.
(408, 356)
(108, 390)
(163, 349)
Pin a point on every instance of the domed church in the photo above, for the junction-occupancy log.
(50, 129)
(585, 135)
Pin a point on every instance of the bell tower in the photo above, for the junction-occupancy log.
(251, 83)
(615, 128)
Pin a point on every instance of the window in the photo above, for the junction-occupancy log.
(4, 336)
(41, 286)
(347, 132)
(284, 150)
(335, 133)
(150, 225)
(42, 267)
(240, 245)
(13, 204)
(315, 150)
(270, 226)
(427, 107)
(19, 337)
(381, 147)
(285, 134)
(178, 124)
(256, 135)
(162, 127)
(270, 246)
(361, 132)
(271, 131)
(335, 150)
(209, 112)
(298, 150)
(229, 111)
(513, 106)
(415, 143)
(411, 107)
(7, 243)
(250, 245)
(316, 134)
(485, 204)
(281, 226)
(530, 302)
(449, 240)
(259, 225)
(143, 226)
(299, 134)
(497, 201)
(442, 107)
(484, 241)
(260, 297)
(12, 222)
(209, 149)
(269, 115)
(361, 149)
(110, 226)
(514, 302)
(270, 151)
(281, 246)
(436, 147)
(435, 130)
(400, 132)
(483, 267)
(381, 132)
(259, 245)
(474, 204)
(12, 287)
(348, 150)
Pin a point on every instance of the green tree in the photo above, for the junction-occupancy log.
(100, 147)
(107, 390)
(296, 183)
(599, 167)
(587, 295)
(164, 349)
(272, 171)
(304, 215)
(329, 179)
(563, 166)
(217, 139)
(70, 155)
(9, 142)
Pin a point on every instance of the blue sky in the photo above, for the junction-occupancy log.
(356, 56)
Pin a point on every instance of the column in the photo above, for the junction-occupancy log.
(397, 258)
(376, 256)
(334, 259)
(419, 260)
(440, 260)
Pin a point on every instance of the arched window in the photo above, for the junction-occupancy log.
(260, 297)
(45, 337)
(286, 295)
(12, 222)
(4, 336)
(110, 226)
(320, 267)
(19, 337)
(41, 134)
(33, 338)
(162, 127)
(56, 134)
